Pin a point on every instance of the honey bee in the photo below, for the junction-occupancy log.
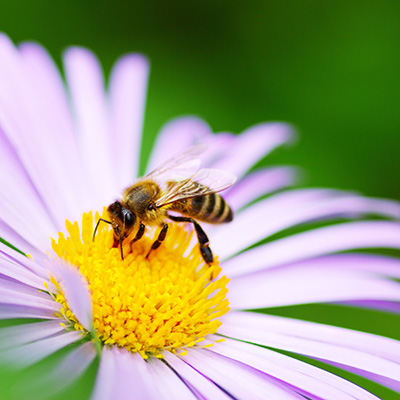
(177, 185)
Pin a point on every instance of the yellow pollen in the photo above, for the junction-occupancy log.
(169, 300)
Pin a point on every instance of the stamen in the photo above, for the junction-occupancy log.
(169, 300)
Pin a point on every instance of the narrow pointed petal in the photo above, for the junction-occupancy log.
(69, 369)
(76, 292)
(86, 85)
(237, 379)
(273, 209)
(305, 379)
(128, 86)
(22, 268)
(218, 145)
(19, 273)
(135, 377)
(20, 119)
(47, 81)
(13, 311)
(386, 382)
(122, 373)
(14, 238)
(21, 206)
(303, 284)
(369, 264)
(253, 144)
(106, 376)
(15, 293)
(317, 242)
(263, 324)
(14, 336)
(285, 210)
(194, 379)
(169, 384)
(257, 184)
(372, 353)
(386, 306)
(176, 136)
(32, 353)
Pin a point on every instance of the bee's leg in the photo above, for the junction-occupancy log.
(118, 241)
(159, 240)
(139, 234)
(204, 243)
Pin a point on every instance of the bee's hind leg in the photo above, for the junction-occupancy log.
(204, 243)
(159, 240)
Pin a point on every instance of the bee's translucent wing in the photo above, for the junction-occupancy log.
(181, 166)
(203, 182)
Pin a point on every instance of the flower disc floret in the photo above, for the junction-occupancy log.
(169, 300)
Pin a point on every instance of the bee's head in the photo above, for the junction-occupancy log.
(122, 220)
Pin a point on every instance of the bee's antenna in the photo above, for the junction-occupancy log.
(97, 225)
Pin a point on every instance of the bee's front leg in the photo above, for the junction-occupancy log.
(159, 240)
(139, 234)
(118, 241)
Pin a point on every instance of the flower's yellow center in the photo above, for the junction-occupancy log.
(169, 300)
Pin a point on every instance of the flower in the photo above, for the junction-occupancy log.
(66, 152)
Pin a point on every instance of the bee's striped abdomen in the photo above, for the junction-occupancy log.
(210, 208)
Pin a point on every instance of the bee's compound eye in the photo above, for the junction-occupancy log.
(150, 207)
(129, 217)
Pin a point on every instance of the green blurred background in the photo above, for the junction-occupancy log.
(330, 68)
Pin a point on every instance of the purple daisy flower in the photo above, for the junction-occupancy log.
(169, 326)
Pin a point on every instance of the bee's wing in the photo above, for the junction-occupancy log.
(203, 182)
(181, 166)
